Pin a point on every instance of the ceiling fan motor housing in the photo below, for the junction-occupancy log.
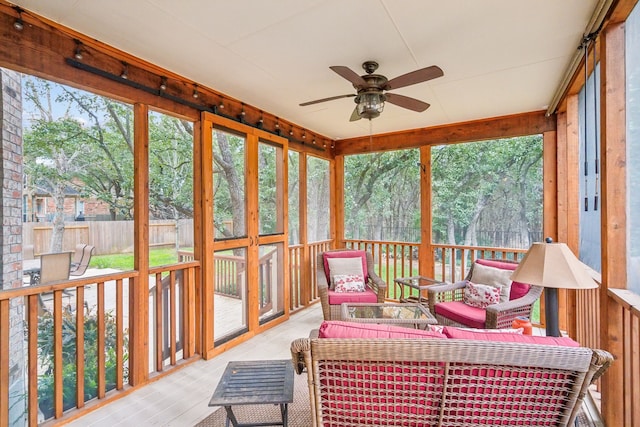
(370, 99)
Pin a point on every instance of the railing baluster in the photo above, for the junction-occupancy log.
(172, 316)
(80, 346)
(57, 351)
(32, 332)
(101, 342)
(463, 264)
(158, 321)
(119, 335)
(4, 361)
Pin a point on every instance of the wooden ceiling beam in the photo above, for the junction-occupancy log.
(46, 49)
(477, 130)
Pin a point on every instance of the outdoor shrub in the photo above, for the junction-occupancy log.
(46, 358)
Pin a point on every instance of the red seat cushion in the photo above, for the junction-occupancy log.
(518, 289)
(452, 332)
(460, 312)
(345, 254)
(337, 298)
(340, 329)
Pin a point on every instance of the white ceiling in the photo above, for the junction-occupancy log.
(499, 57)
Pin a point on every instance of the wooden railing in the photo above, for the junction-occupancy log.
(448, 262)
(623, 392)
(228, 274)
(76, 336)
(314, 249)
(298, 292)
(587, 317)
(451, 262)
(173, 314)
(265, 280)
(392, 260)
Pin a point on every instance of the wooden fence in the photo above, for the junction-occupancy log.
(108, 237)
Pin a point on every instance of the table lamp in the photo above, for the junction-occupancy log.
(552, 266)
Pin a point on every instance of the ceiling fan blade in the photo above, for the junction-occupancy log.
(418, 76)
(355, 116)
(331, 98)
(350, 75)
(406, 102)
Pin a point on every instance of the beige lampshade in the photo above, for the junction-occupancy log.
(553, 265)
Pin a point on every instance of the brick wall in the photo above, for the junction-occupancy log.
(11, 216)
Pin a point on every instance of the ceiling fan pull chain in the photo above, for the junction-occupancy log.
(585, 47)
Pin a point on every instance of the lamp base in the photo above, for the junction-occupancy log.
(551, 312)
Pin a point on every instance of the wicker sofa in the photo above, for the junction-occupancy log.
(439, 381)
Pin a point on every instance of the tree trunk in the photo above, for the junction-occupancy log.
(470, 236)
(236, 193)
(57, 233)
(451, 230)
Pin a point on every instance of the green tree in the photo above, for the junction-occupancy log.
(53, 152)
(228, 184)
(495, 185)
(107, 174)
(382, 192)
(80, 143)
(170, 167)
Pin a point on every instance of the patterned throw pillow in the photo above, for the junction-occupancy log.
(477, 295)
(344, 266)
(493, 277)
(348, 283)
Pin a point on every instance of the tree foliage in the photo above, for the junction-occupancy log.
(382, 195)
(492, 185)
(483, 193)
(170, 167)
(81, 144)
(318, 194)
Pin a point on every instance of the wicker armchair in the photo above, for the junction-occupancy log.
(496, 316)
(332, 311)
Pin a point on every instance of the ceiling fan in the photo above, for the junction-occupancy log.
(371, 96)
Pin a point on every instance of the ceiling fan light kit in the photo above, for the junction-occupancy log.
(369, 104)
(370, 97)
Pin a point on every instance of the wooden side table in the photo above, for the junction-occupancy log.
(256, 382)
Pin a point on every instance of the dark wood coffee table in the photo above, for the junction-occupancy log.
(256, 382)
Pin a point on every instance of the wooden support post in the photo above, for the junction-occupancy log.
(205, 249)
(337, 202)
(613, 222)
(425, 253)
(200, 231)
(139, 288)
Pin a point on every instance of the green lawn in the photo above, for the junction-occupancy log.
(162, 256)
(124, 262)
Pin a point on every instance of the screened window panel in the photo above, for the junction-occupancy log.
(633, 148)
